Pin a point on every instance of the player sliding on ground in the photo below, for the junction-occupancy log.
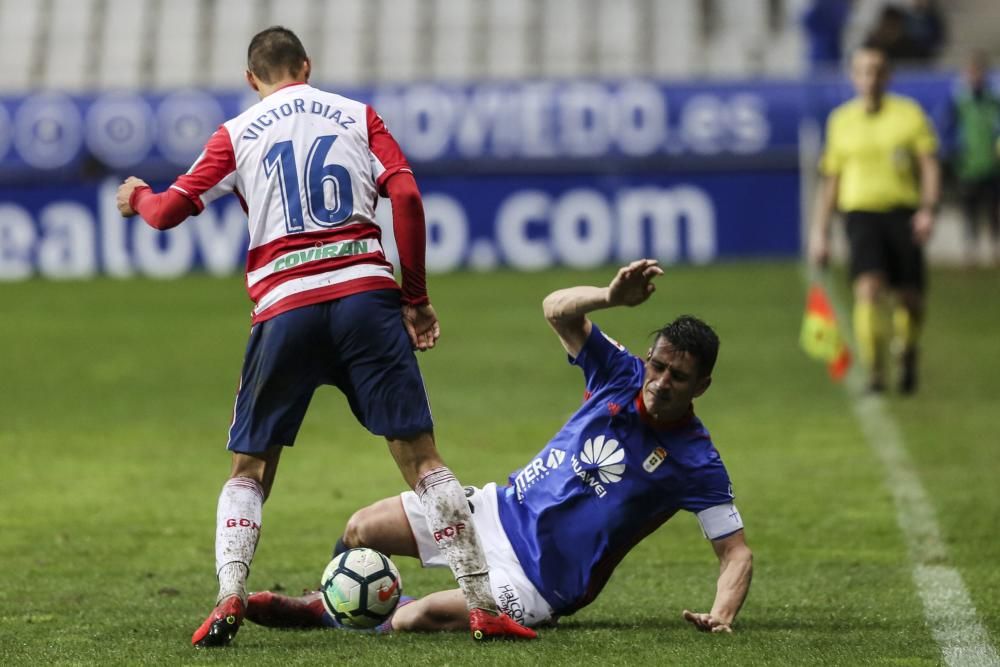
(308, 166)
(627, 460)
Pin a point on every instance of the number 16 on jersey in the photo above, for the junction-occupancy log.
(321, 179)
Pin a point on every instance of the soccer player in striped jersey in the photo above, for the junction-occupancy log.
(628, 460)
(308, 167)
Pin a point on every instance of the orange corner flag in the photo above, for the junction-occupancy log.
(820, 336)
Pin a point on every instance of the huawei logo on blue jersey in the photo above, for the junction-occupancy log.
(607, 456)
(603, 457)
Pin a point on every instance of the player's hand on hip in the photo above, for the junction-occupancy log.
(634, 283)
(125, 191)
(923, 225)
(706, 622)
(422, 325)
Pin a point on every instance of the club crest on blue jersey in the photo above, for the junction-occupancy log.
(655, 458)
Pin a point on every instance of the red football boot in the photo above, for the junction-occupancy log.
(282, 611)
(486, 626)
(221, 625)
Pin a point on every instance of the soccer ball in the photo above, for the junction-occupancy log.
(360, 588)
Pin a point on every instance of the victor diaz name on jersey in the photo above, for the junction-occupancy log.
(605, 481)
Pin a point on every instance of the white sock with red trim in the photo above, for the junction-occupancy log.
(450, 521)
(237, 530)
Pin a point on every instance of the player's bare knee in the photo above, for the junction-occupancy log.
(357, 531)
(869, 287)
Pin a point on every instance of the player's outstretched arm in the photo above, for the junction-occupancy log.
(160, 211)
(124, 196)
(566, 309)
(735, 573)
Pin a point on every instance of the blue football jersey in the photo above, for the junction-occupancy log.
(605, 481)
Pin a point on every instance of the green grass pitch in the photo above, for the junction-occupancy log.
(115, 398)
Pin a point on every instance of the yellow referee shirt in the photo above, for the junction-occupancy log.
(875, 153)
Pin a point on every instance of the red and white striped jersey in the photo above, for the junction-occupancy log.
(308, 167)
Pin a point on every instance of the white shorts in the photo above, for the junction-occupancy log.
(514, 593)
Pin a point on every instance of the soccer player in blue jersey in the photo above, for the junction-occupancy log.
(630, 458)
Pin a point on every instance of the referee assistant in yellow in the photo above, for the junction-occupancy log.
(882, 173)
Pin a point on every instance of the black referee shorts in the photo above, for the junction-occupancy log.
(883, 243)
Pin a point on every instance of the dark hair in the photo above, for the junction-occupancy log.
(892, 13)
(689, 334)
(876, 45)
(275, 52)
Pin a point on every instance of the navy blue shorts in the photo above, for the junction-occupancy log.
(357, 344)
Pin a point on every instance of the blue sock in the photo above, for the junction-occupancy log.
(382, 628)
(385, 627)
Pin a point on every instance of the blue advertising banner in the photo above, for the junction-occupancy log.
(523, 174)
(473, 222)
(156, 134)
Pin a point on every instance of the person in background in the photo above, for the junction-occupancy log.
(972, 132)
(891, 35)
(925, 25)
(881, 171)
(823, 22)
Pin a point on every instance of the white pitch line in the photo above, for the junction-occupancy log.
(948, 609)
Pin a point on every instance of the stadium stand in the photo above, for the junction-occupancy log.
(178, 41)
(564, 50)
(738, 38)
(786, 44)
(229, 24)
(401, 24)
(77, 45)
(342, 48)
(679, 27)
(508, 47)
(296, 15)
(618, 51)
(121, 62)
(70, 26)
(20, 27)
(455, 52)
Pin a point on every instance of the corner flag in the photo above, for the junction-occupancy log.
(820, 337)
